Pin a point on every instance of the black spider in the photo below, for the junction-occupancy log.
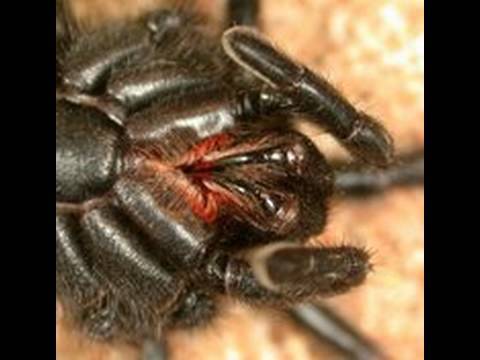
(180, 178)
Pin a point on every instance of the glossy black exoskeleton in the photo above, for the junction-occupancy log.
(180, 177)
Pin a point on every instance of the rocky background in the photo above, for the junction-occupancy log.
(374, 52)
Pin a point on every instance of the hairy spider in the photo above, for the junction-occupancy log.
(175, 154)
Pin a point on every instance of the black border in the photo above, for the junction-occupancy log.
(28, 80)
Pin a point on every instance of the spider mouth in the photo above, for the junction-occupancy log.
(244, 176)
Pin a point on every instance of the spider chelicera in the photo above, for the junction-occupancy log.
(180, 177)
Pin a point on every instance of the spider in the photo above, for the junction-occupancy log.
(180, 177)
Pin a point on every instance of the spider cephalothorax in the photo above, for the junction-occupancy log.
(180, 177)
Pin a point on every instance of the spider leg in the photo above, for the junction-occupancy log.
(163, 90)
(243, 12)
(91, 57)
(75, 280)
(184, 238)
(309, 95)
(147, 61)
(358, 180)
(110, 265)
(325, 325)
(281, 274)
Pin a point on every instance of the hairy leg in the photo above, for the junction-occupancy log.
(392, 92)
(280, 275)
(309, 94)
(353, 179)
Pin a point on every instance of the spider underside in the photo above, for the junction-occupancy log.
(180, 177)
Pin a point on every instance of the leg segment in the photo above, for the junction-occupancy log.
(309, 95)
(325, 325)
(243, 12)
(77, 287)
(92, 56)
(357, 180)
(281, 274)
(109, 283)
(180, 235)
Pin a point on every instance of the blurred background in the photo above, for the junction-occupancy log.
(374, 52)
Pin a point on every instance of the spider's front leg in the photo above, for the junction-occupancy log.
(282, 275)
(308, 94)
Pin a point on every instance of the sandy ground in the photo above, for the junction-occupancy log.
(373, 51)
